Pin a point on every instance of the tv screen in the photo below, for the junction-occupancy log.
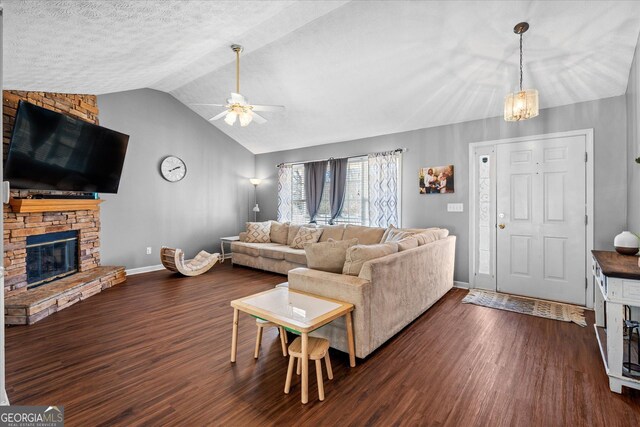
(51, 151)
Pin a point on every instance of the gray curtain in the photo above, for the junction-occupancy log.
(314, 173)
(338, 170)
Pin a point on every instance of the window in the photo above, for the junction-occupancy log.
(356, 202)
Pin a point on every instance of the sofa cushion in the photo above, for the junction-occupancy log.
(328, 256)
(251, 249)
(279, 232)
(306, 235)
(359, 254)
(297, 256)
(365, 235)
(274, 252)
(334, 232)
(431, 235)
(419, 230)
(407, 243)
(395, 231)
(258, 232)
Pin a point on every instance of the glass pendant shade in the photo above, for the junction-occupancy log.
(521, 105)
(230, 118)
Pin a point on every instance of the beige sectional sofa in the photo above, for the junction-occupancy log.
(388, 293)
(280, 258)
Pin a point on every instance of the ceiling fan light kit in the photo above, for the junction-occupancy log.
(524, 104)
(237, 106)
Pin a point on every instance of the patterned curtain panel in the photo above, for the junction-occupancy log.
(384, 186)
(284, 193)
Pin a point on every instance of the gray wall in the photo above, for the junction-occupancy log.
(449, 145)
(213, 200)
(633, 145)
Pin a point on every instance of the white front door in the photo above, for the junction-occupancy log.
(540, 207)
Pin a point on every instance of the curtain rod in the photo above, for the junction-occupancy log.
(397, 150)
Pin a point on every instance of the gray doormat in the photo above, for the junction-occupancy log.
(524, 305)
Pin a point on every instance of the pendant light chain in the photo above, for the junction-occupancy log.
(520, 62)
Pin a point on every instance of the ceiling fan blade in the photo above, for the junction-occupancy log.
(268, 107)
(258, 118)
(219, 116)
(236, 98)
(210, 105)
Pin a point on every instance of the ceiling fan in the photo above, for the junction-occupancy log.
(238, 107)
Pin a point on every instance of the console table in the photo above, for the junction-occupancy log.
(617, 279)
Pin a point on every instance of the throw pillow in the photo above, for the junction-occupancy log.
(293, 230)
(279, 232)
(359, 254)
(395, 235)
(306, 235)
(258, 232)
(328, 256)
(407, 243)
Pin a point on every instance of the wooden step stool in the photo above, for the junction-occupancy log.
(262, 324)
(318, 349)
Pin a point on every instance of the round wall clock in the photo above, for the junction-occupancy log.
(173, 169)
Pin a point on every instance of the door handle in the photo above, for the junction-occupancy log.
(501, 226)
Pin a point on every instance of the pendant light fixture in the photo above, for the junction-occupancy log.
(521, 105)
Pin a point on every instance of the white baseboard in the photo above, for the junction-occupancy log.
(461, 285)
(4, 399)
(147, 269)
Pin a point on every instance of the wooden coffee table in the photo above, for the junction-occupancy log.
(299, 312)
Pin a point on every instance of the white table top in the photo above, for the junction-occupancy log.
(299, 310)
(230, 238)
(299, 307)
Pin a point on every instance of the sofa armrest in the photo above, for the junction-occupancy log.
(405, 284)
(330, 285)
(243, 236)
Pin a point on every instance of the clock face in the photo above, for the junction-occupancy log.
(173, 169)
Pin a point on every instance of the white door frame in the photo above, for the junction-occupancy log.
(588, 138)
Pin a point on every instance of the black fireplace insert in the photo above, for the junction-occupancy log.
(51, 256)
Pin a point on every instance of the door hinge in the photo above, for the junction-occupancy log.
(586, 283)
(586, 157)
(586, 220)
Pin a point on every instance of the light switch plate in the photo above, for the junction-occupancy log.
(455, 207)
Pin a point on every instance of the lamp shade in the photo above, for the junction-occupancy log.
(256, 208)
(255, 181)
(521, 105)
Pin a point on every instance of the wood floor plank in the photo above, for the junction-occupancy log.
(155, 351)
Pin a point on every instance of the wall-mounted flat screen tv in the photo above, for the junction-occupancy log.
(52, 151)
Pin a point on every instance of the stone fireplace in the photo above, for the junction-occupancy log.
(20, 228)
(51, 246)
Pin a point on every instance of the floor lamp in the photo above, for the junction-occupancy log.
(256, 208)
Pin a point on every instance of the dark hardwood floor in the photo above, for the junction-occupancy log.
(155, 351)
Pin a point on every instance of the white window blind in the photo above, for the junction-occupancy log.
(356, 203)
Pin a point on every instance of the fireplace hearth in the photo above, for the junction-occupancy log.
(50, 257)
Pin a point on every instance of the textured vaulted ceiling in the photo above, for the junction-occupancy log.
(344, 70)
